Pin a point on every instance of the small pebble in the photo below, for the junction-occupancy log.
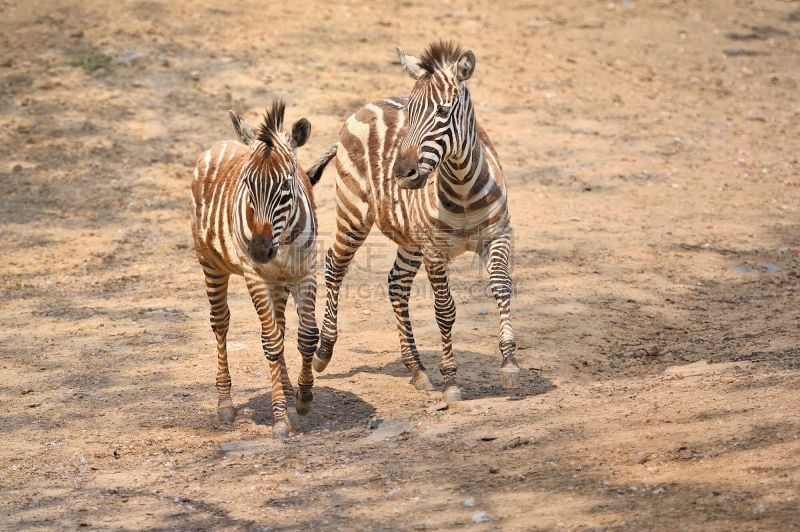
(482, 517)
(638, 458)
(483, 312)
(494, 469)
(685, 453)
(438, 407)
(469, 502)
(771, 267)
(366, 312)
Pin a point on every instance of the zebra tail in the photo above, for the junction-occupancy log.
(315, 172)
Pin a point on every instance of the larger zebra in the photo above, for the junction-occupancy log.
(423, 170)
(253, 215)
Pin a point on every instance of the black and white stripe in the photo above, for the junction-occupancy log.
(253, 215)
(423, 170)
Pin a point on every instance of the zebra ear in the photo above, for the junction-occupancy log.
(410, 63)
(243, 130)
(300, 132)
(465, 66)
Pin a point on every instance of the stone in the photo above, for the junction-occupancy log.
(482, 517)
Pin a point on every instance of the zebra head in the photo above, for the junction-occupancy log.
(270, 177)
(437, 110)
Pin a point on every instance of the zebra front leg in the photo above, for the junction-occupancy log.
(305, 298)
(217, 292)
(279, 294)
(445, 309)
(401, 276)
(272, 342)
(500, 281)
(347, 241)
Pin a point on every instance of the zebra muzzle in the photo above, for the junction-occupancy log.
(262, 249)
(407, 171)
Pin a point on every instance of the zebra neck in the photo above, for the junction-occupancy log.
(464, 163)
(461, 186)
(468, 182)
(462, 178)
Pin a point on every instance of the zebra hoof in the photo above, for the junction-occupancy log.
(323, 355)
(291, 421)
(509, 377)
(421, 381)
(280, 430)
(225, 410)
(319, 364)
(451, 394)
(303, 402)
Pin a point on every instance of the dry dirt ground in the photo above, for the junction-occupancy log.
(651, 152)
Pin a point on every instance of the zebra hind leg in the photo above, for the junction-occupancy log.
(217, 292)
(401, 277)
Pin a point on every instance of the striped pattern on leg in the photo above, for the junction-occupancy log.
(217, 292)
(496, 260)
(272, 343)
(401, 276)
(305, 297)
(347, 240)
(445, 311)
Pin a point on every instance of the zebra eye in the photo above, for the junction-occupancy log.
(443, 110)
(286, 185)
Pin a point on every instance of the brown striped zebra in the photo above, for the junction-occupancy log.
(423, 170)
(253, 215)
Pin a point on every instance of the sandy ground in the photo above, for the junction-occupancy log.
(651, 152)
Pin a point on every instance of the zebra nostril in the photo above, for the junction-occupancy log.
(411, 172)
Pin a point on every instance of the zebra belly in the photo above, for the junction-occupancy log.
(439, 231)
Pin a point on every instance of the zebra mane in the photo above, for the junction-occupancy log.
(273, 123)
(439, 54)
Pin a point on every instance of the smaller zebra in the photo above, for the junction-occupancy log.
(253, 215)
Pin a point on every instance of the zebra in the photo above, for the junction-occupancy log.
(253, 215)
(425, 172)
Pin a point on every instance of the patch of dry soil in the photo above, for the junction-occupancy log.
(651, 152)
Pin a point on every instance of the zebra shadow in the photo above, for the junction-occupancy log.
(331, 409)
(478, 375)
